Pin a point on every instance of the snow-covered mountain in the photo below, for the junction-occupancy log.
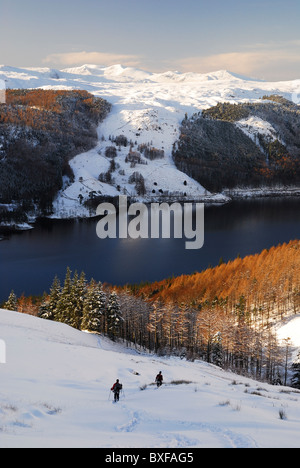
(114, 73)
(55, 392)
(148, 109)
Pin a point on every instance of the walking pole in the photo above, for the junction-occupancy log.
(109, 395)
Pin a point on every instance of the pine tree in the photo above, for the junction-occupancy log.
(217, 350)
(43, 311)
(55, 293)
(77, 298)
(154, 326)
(113, 316)
(64, 304)
(12, 302)
(48, 309)
(296, 372)
(93, 308)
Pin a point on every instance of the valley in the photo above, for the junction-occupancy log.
(146, 114)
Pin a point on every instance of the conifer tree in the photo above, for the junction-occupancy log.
(48, 309)
(43, 311)
(65, 304)
(12, 302)
(217, 351)
(296, 373)
(93, 308)
(55, 294)
(77, 298)
(113, 316)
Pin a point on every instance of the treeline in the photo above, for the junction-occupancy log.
(40, 131)
(270, 277)
(215, 152)
(77, 303)
(223, 315)
(226, 315)
(218, 155)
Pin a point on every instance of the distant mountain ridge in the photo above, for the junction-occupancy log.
(117, 73)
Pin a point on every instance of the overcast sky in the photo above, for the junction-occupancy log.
(257, 38)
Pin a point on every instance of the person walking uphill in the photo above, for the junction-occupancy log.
(159, 379)
(116, 388)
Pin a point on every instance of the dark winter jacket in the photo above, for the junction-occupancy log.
(117, 387)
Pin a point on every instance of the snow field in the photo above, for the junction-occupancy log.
(56, 384)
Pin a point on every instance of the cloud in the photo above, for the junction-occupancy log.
(265, 61)
(96, 58)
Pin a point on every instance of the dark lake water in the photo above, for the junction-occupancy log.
(30, 260)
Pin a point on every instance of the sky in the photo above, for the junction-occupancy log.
(256, 38)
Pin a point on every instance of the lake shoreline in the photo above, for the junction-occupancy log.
(225, 197)
(31, 259)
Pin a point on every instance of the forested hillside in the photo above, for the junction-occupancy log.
(40, 131)
(225, 315)
(242, 145)
(269, 278)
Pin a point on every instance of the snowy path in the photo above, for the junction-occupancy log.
(55, 393)
(183, 433)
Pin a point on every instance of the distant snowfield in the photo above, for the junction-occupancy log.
(254, 125)
(55, 392)
(147, 108)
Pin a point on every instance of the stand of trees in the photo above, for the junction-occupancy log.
(223, 315)
(40, 131)
(218, 154)
(83, 306)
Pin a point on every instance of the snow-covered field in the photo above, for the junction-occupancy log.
(147, 108)
(55, 392)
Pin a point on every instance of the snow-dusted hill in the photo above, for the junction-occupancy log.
(55, 392)
(148, 109)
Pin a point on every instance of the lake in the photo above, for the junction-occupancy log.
(30, 260)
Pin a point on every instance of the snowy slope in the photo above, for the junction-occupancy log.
(55, 393)
(252, 126)
(147, 108)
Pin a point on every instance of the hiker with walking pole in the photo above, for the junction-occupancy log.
(159, 380)
(116, 388)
